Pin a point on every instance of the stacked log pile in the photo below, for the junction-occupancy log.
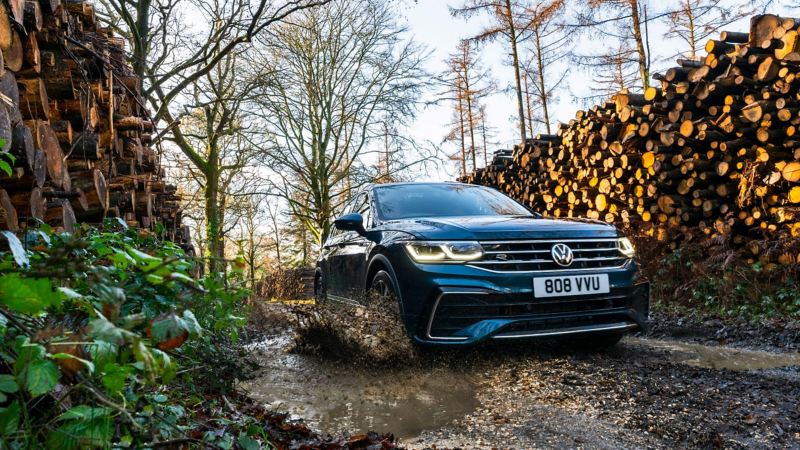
(713, 151)
(76, 133)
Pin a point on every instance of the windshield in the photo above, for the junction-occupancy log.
(405, 201)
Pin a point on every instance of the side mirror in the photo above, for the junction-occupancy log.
(351, 222)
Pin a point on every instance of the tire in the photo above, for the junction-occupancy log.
(384, 300)
(382, 288)
(597, 342)
(320, 290)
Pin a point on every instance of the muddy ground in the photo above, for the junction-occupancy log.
(695, 384)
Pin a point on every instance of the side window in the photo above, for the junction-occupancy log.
(335, 232)
(362, 207)
(366, 211)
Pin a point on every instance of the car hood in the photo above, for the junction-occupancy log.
(501, 227)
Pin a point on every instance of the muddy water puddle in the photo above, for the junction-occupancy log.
(718, 357)
(334, 396)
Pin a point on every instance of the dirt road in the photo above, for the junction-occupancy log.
(645, 393)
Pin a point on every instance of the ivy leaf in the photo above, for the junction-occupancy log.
(142, 257)
(122, 259)
(26, 354)
(114, 377)
(27, 295)
(89, 365)
(102, 353)
(192, 325)
(154, 279)
(168, 369)
(109, 294)
(9, 419)
(6, 167)
(20, 255)
(35, 237)
(85, 413)
(8, 384)
(96, 433)
(177, 276)
(142, 354)
(41, 377)
(102, 329)
(248, 443)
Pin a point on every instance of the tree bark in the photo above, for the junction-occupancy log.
(644, 69)
(542, 88)
(214, 239)
(515, 60)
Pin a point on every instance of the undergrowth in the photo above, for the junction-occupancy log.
(714, 279)
(109, 341)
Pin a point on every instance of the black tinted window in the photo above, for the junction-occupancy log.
(362, 207)
(441, 200)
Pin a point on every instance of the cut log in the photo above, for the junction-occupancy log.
(33, 16)
(791, 172)
(34, 103)
(5, 30)
(9, 212)
(14, 55)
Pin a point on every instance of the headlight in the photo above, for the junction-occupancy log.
(444, 251)
(626, 247)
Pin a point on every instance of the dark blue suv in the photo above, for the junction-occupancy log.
(468, 263)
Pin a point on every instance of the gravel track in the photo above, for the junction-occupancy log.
(705, 388)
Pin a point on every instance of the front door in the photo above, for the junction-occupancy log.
(353, 252)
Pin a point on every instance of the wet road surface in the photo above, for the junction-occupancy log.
(644, 393)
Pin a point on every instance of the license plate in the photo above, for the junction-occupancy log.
(570, 285)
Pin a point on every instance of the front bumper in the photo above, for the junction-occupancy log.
(459, 304)
(466, 317)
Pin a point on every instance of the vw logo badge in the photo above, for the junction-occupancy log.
(562, 255)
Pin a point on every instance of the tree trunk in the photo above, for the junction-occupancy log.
(216, 248)
(542, 87)
(463, 145)
(483, 133)
(141, 49)
(644, 70)
(515, 60)
(470, 118)
(528, 103)
(692, 41)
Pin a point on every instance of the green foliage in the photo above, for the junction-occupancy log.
(95, 324)
(6, 160)
(723, 287)
(27, 295)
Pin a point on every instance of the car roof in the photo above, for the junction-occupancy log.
(424, 183)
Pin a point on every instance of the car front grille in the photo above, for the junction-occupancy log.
(534, 255)
(456, 311)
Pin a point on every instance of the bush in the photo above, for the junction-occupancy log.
(95, 325)
(711, 278)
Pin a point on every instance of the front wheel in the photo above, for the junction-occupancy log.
(383, 295)
(320, 290)
(388, 336)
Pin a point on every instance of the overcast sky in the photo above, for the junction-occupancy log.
(431, 24)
